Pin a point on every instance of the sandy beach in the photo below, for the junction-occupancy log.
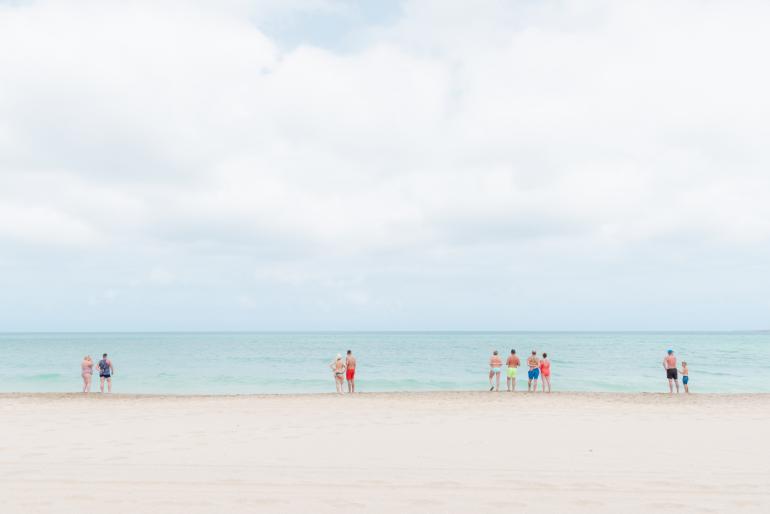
(402, 452)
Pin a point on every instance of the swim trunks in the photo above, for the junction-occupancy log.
(533, 374)
(105, 375)
(350, 373)
(511, 372)
(671, 373)
(495, 370)
(685, 379)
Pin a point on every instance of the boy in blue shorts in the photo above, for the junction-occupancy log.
(685, 372)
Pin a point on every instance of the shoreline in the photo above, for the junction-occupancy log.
(459, 394)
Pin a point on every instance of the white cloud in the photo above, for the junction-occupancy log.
(464, 165)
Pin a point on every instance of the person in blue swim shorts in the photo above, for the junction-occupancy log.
(534, 371)
(495, 363)
(685, 372)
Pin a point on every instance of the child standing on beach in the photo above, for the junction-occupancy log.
(685, 372)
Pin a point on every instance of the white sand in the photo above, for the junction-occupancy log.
(396, 453)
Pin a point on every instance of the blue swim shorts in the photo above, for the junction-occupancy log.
(534, 374)
(685, 379)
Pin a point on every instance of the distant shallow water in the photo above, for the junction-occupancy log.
(250, 363)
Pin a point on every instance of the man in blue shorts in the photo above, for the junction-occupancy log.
(534, 371)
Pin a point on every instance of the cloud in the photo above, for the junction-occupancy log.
(446, 153)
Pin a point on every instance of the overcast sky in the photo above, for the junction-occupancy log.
(286, 165)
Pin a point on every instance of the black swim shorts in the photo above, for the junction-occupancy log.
(671, 373)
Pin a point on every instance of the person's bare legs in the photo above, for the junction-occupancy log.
(109, 384)
(534, 385)
(670, 386)
(547, 381)
(85, 383)
(686, 388)
(529, 385)
(353, 386)
(508, 384)
(513, 385)
(677, 386)
(491, 384)
(101, 384)
(497, 381)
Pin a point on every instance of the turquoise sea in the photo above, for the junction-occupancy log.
(238, 363)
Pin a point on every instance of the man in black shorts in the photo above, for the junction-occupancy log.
(669, 364)
(105, 373)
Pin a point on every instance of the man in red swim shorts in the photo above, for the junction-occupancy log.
(350, 372)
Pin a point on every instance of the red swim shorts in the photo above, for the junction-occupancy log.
(350, 373)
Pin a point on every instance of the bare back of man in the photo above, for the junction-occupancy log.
(534, 371)
(512, 363)
(669, 364)
(350, 371)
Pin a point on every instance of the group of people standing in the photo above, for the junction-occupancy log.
(105, 373)
(539, 368)
(672, 374)
(344, 370)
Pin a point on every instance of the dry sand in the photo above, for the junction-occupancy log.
(395, 453)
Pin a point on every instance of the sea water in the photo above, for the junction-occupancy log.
(247, 363)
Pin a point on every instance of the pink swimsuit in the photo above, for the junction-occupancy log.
(545, 368)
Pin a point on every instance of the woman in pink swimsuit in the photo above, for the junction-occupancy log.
(545, 372)
(87, 371)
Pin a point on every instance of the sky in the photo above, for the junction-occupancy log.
(414, 165)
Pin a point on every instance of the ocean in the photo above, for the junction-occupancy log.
(249, 363)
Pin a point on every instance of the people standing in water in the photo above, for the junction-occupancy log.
(338, 368)
(105, 373)
(87, 372)
(685, 377)
(350, 371)
(545, 372)
(512, 363)
(534, 371)
(495, 363)
(669, 364)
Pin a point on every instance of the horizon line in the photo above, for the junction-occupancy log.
(400, 331)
